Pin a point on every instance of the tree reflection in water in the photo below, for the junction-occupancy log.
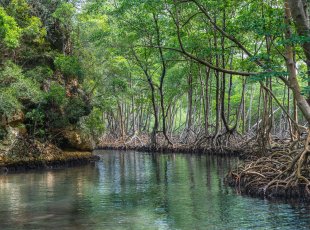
(139, 191)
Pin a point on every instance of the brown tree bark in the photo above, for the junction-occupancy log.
(299, 10)
(162, 77)
(302, 25)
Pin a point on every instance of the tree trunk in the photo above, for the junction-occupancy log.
(302, 25)
(299, 10)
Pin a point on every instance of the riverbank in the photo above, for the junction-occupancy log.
(176, 149)
(30, 154)
(59, 160)
(142, 144)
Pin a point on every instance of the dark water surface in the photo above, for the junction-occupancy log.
(128, 190)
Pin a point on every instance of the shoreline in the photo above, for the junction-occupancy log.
(66, 160)
(74, 158)
(180, 149)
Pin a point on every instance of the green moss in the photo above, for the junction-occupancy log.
(63, 157)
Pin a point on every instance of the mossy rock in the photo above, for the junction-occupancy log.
(74, 139)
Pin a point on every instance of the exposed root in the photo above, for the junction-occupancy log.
(283, 173)
(143, 143)
(134, 139)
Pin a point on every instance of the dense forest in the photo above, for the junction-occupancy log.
(199, 75)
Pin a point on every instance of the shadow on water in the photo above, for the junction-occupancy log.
(130, 190)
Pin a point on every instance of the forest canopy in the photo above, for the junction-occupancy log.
(174, 68)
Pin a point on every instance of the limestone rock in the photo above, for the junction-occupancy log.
(74, 139)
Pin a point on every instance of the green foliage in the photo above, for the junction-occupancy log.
(75, 109)
(16, 89)
(94, 28)
(64, 16)
(64, 12)
(56, 95)
(93, 124)
(119, 85)
(69, 66)
(111, 47)
(39, 73)
(31, 26)
(306, 90)
(36, 122)
(8, 103)
(264, 75)
(19, 9)
(294, 40)
(31, 40)
(10, 32)
(34, 30)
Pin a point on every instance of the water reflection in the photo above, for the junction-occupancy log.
(128, 190)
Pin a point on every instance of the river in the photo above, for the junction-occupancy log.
(131, 190)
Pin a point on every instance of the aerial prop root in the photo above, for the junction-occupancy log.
(284, 172)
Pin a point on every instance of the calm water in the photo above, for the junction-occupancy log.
(139, 191)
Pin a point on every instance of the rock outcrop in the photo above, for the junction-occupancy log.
(74, 139)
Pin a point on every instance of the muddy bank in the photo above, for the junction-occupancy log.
(63, 160)
(31, 154)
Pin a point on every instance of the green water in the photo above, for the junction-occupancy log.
(128, 190)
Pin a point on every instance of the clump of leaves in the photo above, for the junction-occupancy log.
(93, 124)
(69, 66)
(56, 96)
(75, 109)
(10, 32)
(39, 73)
(16, 89)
